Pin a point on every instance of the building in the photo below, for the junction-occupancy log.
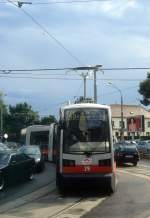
(129, 111)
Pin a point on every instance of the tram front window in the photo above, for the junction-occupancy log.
(86, 130)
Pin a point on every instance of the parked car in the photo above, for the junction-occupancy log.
(142, 146)
(33, 151)
(126, 153)
(3, 147)
(12, 145)
(14, 167)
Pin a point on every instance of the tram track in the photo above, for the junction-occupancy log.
(79, 208)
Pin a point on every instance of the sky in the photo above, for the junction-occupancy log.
(113, 33)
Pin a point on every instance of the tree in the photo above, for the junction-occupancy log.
(144, 89)
(19, 117)
(48, 120)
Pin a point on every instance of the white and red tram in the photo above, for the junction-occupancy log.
(85, 146)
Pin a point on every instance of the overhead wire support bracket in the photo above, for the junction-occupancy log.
(21, 3)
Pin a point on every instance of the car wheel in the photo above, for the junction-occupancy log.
(135, 163)
(30, 176)
(2, 183)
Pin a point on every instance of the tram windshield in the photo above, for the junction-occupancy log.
(86, 130)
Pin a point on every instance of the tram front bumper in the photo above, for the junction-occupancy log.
(91, 178)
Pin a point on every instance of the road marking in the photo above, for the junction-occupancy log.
(142, 165)
(27, 198)
(134, 174)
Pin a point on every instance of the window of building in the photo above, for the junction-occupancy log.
(148, 124)
(147, 133)
(123, 124)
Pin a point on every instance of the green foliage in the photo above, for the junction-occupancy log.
(144, 89)
(47, 120)
(19, 116)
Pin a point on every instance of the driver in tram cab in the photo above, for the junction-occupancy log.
(78, 127)
(83, 127)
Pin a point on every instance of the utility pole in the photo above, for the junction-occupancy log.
(1, 116)
(1, 129)
(94, 69)
(122, 123)
(121, 110)
(84, 79)
(95, 86)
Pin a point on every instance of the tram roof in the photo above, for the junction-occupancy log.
(85, 105)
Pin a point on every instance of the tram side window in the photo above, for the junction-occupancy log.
(39, 138)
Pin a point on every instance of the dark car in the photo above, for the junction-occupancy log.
(14, 167)
(126, 153)
(142, 146)
(3, 147)
(33, 151)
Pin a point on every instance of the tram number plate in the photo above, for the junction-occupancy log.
(87, 161)
(87, 169)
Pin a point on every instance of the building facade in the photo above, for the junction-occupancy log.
(129, 111)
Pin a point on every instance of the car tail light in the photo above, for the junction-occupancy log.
(68, 163)
(121, 154)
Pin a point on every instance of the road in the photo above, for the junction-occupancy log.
(24, 188)
(131, 200)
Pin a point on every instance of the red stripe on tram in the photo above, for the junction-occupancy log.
(87, 169)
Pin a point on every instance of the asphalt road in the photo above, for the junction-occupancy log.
(20, 189)
(132, 199)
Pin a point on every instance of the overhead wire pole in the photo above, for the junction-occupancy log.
(121, 110)
(95, 82)
(95, 69)
(95, 87)
(84, 78)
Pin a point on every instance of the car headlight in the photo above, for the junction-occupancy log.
(37, 160)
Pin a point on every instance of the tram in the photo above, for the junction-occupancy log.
(42, 135)
(85, 146)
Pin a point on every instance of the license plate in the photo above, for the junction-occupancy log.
(129, 156)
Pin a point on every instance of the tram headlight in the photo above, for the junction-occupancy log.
(68, 163)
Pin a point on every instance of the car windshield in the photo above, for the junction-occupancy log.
(4, 158)
(130, 147)
(3, 146)
(31, 150)
(86, 129)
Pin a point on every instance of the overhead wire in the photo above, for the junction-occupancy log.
(57, 2)
(48, 33)
(7, 71)
(65, 78)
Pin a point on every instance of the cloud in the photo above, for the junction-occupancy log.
(113, 33)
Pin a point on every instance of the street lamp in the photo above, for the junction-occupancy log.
(121, 107)
(1, 115)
